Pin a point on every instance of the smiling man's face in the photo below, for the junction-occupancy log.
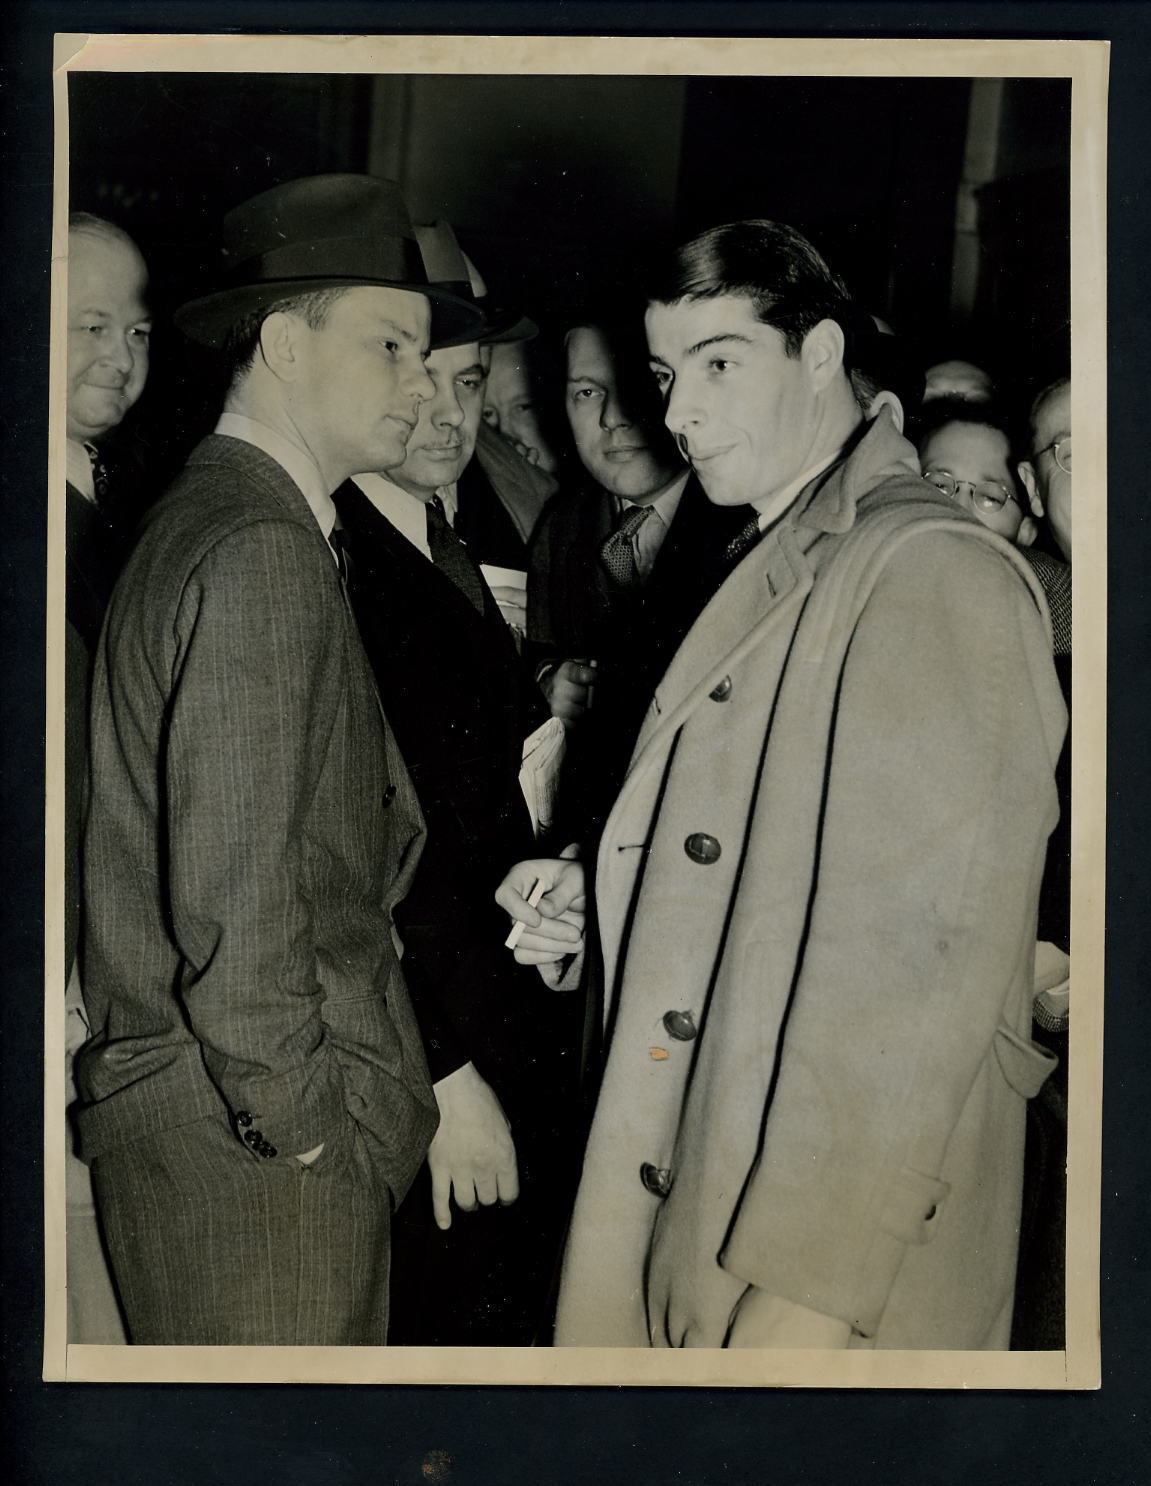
(614, 411)
(108, 330)
(743, 412)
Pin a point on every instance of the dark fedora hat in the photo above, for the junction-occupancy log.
(321, 232)
(450, 268)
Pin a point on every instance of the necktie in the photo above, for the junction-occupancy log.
(618, 552)
(99, 474)
(743, 541)
(339, 545)
(451, 556)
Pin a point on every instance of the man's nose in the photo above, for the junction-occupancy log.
(419, 384)
(683, 410)
(614, 414)
(120, 351)
(446, 410)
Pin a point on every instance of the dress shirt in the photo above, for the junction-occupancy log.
(647, 541)
(79, 470)
(294, 461)
(406, 512)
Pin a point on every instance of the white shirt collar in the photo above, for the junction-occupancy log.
(406, 512)
(79, 470)
(294, 461)
(666, 503)
(773, 506)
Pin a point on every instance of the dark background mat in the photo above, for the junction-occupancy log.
(294, 1436)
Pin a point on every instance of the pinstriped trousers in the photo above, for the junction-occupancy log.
(212, 1246)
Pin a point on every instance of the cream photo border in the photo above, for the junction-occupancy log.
(1085, 64)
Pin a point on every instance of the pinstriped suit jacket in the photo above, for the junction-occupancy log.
(251, 826)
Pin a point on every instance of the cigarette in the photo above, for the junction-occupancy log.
(519, 926)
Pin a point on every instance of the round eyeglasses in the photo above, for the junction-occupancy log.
(1060, 450)
(987, 495)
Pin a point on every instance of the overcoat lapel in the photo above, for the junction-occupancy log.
(759, 599)
(761, 593)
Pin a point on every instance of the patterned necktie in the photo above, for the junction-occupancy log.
(618, 552)
(451, 556)
(743, 541)
(99, 474)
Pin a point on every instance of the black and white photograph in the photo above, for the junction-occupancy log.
(561, 855)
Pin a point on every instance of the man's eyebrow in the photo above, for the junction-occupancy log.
(711, 340)
(407, 335)
(470, 371)
(97, 313)
(596, 381)
(715, 340)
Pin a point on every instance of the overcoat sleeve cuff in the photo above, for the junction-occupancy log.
(781, 1245)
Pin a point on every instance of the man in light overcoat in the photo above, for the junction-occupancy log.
(816, 893)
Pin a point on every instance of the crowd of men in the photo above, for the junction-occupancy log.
(774, 1054)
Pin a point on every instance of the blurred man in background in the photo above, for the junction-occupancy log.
(109, 325)
(1039, 1314)
(620, 565)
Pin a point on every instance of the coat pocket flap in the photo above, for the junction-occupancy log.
(1024, 1064)
(914, 1205)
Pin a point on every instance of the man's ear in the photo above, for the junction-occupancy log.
(1029, 526)
(280, 344)
(822, 353)
(1026, 471)
(887, 399)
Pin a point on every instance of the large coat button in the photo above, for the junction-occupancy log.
(680, 1025)
(389, 795)
(657, 1179)
(702, 848)
(722, 692)
(243, 1119)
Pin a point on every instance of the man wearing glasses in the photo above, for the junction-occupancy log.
(1047, 474)
(1039, 1321)
(966, 453)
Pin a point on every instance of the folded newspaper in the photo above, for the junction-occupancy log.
(539, 773)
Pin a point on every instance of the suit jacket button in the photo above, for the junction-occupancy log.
(243, 1119)
(389, 794)
(657, 1179)
(250, 1137)
(702, 848)
(722, 692)
(680, 1025)
(267, 1150)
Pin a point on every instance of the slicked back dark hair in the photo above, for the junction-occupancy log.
(787, 281)
(239, 349)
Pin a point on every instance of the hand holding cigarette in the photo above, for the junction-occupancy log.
(546, 899)
(519, 926)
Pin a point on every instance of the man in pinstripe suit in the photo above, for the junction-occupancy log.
(255, 1094)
